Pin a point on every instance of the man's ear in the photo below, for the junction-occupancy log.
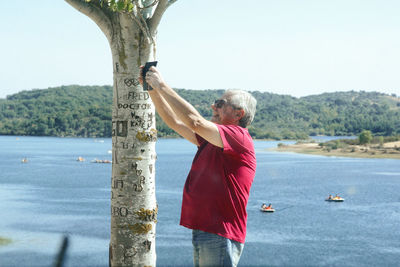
(239, 114)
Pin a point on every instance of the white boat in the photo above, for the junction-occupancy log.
(267, 209)
(335, 199)
(101, 161)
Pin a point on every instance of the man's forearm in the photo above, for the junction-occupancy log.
(163, 109)
(170, 118)
(184, 110)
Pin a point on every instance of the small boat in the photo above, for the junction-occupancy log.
(335, 199)
(101, 161)
(24, 160)
(80, 159)
(267, 209)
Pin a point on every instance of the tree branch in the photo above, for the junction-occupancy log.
(158, 13)
(96, 13)
(170, 2)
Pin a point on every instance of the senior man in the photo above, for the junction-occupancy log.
(217, 187)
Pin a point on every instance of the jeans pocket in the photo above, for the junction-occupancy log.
(210, 249)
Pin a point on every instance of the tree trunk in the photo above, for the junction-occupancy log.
(133, 201)
(130, 30)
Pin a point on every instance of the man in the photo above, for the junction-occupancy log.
(218, 185)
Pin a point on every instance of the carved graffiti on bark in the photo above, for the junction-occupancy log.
(145, 120)
(134, 106)
(117, 184)
(139, 186)
(120, 128)
(125, 145)
(131, 82)
(116, 67)
(147, 245)
(119, 211)
(137, 95)
(128, 254)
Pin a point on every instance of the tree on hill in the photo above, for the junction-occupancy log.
(365, 137)
(130, 27)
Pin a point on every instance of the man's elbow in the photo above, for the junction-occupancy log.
(196, 123)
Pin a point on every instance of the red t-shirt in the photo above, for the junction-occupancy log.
(218, 185)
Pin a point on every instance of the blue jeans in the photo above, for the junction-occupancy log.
(214, 250)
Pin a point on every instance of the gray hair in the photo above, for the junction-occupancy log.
(243, 100)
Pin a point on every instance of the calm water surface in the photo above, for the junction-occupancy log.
(54, 194)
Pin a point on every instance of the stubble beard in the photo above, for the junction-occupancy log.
(215, 118)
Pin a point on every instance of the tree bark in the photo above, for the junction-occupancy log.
(133, 203)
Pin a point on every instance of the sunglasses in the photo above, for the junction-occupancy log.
(219, 103)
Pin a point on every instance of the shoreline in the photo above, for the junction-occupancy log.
(387, 151)
(5, 241)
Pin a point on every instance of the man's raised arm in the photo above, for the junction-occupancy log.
(183, 110)
(168, 116)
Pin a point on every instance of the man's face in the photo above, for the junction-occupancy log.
(224, 112)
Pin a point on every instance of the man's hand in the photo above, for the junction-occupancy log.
(153, 77)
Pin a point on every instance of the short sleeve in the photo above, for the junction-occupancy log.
(235, 139)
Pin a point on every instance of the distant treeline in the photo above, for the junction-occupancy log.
(86, 111)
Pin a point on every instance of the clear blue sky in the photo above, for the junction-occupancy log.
(294, 47)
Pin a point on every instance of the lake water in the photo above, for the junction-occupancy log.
(53, 194)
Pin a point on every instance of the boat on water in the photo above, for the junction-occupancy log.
(101, 161)
(334, 199)
(267, 209)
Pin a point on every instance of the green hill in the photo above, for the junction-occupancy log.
(86, 111)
